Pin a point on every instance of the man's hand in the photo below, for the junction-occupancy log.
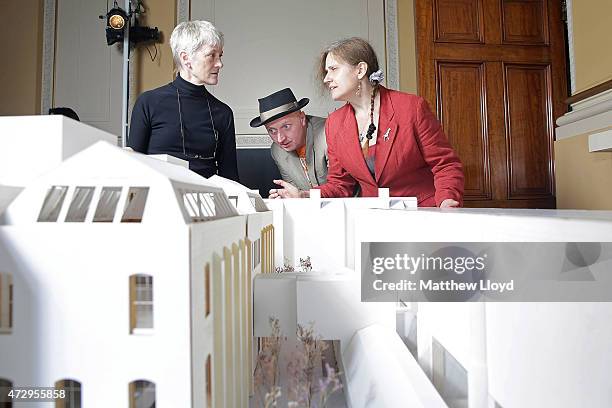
(449, 203)
(287, 191)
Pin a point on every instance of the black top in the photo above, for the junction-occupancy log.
(155, 128)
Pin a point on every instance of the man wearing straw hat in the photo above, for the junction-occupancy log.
(299, 149)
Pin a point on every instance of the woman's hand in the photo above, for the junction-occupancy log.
(287, 191)
(449, 203)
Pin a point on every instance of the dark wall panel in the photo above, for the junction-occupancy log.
(257, 170)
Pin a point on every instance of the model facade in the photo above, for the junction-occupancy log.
(116, 289)
(129, 281)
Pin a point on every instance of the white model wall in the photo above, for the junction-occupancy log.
(329, 301)
(72, 311)
(278, 217)
(30, 146)
(556, 354)
(316, 229)
(324, 228)
(210, 240)
(532, 354)
(391, 377)
(7, 195)
(256, 222)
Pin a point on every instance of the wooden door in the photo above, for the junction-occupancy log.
(494, 72)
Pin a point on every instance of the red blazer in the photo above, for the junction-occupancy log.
(416, 160)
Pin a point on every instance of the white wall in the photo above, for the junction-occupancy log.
(30, 146)
(270, 45)
(208, 238)
(556, 354)
(87, 72)
(72, 312)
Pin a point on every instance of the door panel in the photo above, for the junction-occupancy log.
(494, 72)
(528, 130)
(525, 22)
(459, 21)
(461, 89)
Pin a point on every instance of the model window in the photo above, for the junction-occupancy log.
(449, 377)
(222, 206)
(256, 252)
(190, 200)
(135, 204)
(73, 394)
(203, 206)
(141, 302)
(53, 204)
(234, 200)
(6, 303)
(223, 202)
(142, 394)
(5, 388)
(208, 382)
(259, 204)
(109, 197)
(207, 290)
(81, 199)
(207, 204)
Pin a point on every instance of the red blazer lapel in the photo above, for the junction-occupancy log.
(387, 131)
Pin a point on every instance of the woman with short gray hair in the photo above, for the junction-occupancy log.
(182, 118)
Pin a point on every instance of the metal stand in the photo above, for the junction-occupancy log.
(126, 73)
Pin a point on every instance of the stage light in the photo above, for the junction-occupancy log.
(116, 21)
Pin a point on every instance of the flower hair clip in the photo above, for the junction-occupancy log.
(377, 77)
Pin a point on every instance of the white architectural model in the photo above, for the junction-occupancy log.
(470, 351)
(515, 354)
(116, 284)
(132, 281)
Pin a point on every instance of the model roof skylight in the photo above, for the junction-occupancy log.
(97, 204)
(203, 206)
(258, 203)
(135, 204)
(107, 205)
(53, 204)
(81, 199)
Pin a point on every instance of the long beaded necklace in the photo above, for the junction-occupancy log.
(365, 139)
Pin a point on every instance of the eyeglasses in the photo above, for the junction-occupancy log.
(212, 121)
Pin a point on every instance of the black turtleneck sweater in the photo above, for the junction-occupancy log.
(155, 128)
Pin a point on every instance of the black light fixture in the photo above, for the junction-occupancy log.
(116, 21)
(140, 33)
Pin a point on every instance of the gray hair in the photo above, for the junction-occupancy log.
(190, 36)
